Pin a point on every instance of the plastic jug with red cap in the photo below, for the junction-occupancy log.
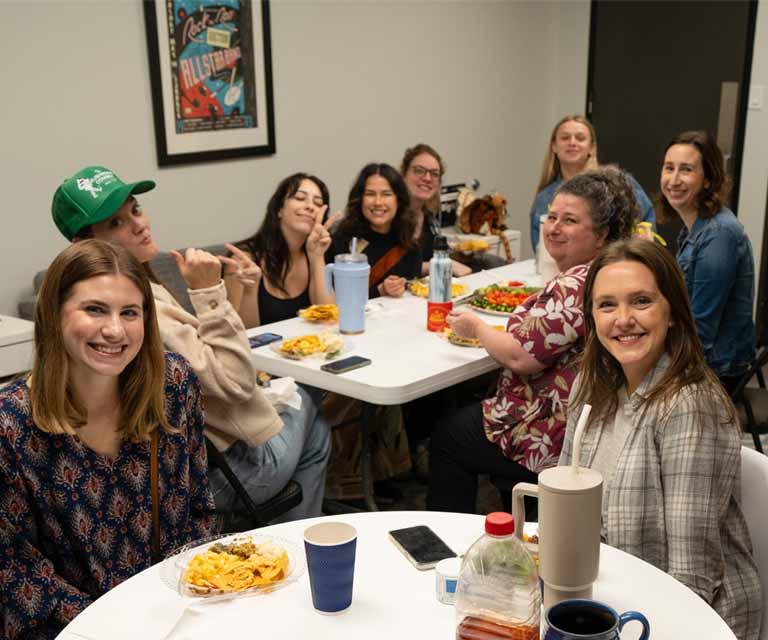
(498, 595)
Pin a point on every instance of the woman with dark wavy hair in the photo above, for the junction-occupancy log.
(378, 214)
(714, 252)
(662, 432)
(281, 267)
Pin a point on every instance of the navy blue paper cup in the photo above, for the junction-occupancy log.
(330, 549)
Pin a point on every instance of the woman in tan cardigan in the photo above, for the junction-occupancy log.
(265, 448)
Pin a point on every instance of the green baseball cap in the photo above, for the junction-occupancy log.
(91, 195)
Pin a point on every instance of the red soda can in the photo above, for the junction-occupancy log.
(437, 312)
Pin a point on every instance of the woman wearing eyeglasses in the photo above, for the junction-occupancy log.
(422, 169)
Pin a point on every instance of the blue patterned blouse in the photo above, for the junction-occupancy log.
(75, 523)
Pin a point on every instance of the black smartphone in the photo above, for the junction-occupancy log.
(346, 364)
(262, 339)
(422, 546)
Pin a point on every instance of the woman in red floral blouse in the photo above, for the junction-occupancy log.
(76, 506)
(519, 432)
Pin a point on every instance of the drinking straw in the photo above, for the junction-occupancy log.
(354, 245)
(577, 436)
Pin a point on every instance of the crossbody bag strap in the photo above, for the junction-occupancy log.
(385, 263)
(155, 488)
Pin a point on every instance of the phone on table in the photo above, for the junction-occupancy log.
(345, 364)
(422, 546)
(262, 339)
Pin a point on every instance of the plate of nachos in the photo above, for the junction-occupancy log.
(326, 344)
(420, 288)
(461, 341)
(233, 565)
(320, 313)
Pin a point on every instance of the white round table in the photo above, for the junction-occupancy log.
(391, 598)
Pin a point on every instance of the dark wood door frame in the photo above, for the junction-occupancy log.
(741, 124)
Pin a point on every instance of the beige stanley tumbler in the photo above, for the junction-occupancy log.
(569, 529)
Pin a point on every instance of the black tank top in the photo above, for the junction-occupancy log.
(272, 309)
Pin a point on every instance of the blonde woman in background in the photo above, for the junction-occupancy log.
(572, 150)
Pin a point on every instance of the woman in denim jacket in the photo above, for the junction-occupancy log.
(714, 252)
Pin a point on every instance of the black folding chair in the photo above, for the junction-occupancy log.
(250, 515)
(752, 402)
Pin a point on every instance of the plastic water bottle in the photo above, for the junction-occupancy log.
(439, 304)
(498, 594)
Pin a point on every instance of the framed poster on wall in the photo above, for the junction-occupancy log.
(210, 70)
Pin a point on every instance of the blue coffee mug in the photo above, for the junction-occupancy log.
(588, 620)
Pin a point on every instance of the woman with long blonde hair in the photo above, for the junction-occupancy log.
(572, 150)
(102, 407)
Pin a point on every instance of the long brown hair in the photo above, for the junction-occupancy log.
(354, 223)
(601, 375)
(141, 385)
(434, 202)
(268, 246)
(550, 170)
(717, 183)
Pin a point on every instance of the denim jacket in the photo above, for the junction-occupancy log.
(716, 259)
(544, 197)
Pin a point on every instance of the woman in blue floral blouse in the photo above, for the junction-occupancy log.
(76, 442)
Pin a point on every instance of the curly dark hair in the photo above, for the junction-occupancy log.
(717, 183)
(268, 246)
(355, 224)
(611, 199)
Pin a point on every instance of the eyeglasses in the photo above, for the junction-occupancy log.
(423, 171)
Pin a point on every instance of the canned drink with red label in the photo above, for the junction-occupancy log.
(436, 315)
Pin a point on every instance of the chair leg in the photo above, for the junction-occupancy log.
(758, 444)
(366, 467)
(752, 426)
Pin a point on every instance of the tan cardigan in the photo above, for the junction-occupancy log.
(217, 348)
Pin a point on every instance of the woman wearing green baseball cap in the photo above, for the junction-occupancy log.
(266, 449)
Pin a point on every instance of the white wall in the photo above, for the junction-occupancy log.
(354, 82)
(754, 169)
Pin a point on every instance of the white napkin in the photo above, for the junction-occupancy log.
(283, 392)
(161, 615)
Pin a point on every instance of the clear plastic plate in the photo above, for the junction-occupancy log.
(173, 568)
(345, 346)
